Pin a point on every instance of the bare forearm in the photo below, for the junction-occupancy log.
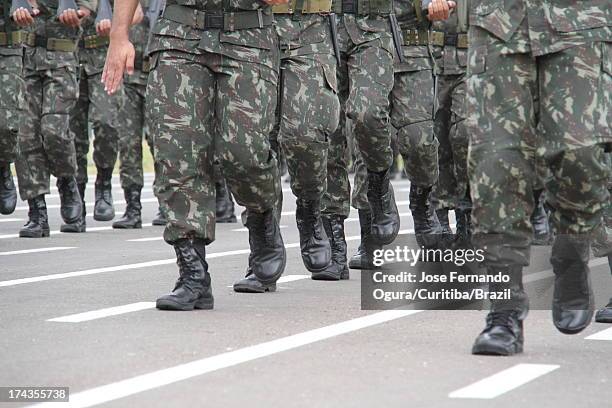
(122, 18)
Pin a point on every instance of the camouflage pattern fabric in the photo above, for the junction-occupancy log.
(212, 95)
(309, 107)
(565, 70)
(412, 105)
(11, 93)
(95, 106)
(365, 80)
(46, 145)
(602, 240)
(449, 118)
(452, 185)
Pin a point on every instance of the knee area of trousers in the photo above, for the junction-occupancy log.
(370, 115)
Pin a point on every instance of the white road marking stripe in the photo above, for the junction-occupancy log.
(161, 238)
(89, 229)
(88, 204)
(86, 272)
(11, 219)
(602, 335)
(32, 251)
(139, 265)
(99, 314)
(504, 381)
(156, 379)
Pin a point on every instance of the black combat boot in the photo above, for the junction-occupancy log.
(464, 227)
(503, 334)
(604, 315)
(426, 226)
(192, 289)
(539, 220)
(268, 257)
(446, 237)
(385, 217)
(225, 204)
(38, 224)
(81, 224)
(103, 209)
(251, 284)
(132, 216)
(337, 269)
(573, 304)
(314, 243)
(160, 218)
(363, 258)
(8, 192)
(71, 202)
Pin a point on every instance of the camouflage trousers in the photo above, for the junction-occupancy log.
(46, 145)
(11, 102)
(502, 91)
(309, 109)
(199, 113)
(95, 106)
(365, 80)
(602, 241)
(451, 190)
(412, 105)
(133, 124)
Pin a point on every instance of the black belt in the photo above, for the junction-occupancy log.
(218, 19)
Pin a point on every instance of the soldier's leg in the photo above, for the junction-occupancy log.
(459, 140)
(224, 208)
(309, 114)
(412, 101)
(180, 104)
(602, 243)
(32, 166)
(104, 116)
(444, 196)
(11, 104)
(60, 92)
(131, 124)
(371, 80)
(573, 137)
(79, 119)
(501, 125)
(248, 161)
(336, 199)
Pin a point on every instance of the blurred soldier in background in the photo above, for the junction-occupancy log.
(102, 111)
(45, 142)
(134, 122)
(12, 88)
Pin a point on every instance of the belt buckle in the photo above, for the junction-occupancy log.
(450, 39)
(214, 19)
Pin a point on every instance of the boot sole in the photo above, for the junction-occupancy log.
(159, 223)
(603, 319)
(103, 218)
(326, 276)
(72, 230)
(27, 234)
(226, 220)
(360, 266)
(496, 351)
(137, 226)
(166, 304)
(242, 288)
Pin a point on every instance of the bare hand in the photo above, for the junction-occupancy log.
(72, 18)
(103, 27)
(120, 58)
(138, 15)
(440, 9)
(23, 18)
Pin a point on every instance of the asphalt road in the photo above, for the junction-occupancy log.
(307, 345)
